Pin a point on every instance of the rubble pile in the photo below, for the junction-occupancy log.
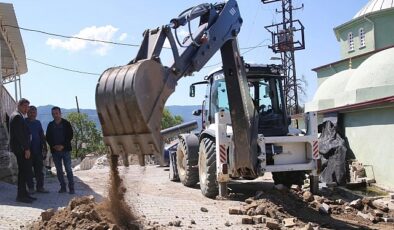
(80, 213)
(300, 209)
(84, 213)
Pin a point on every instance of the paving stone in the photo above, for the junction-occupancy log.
(247, 220)
(235, 211)
(260, 210)
(257, 219)
(272, 224)
(325, 208)
(289, 222)
(357, 204)
(388, 219)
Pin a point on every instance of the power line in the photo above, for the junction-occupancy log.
(73, 37)
(96, 74)
(88, 39)
(63, 68)
(247, 51)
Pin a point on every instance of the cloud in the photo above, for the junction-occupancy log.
(105, 33)
(122, 37)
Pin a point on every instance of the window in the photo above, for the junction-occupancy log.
(361, 34)
(350, 41)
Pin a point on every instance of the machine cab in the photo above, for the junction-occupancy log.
(265, 84)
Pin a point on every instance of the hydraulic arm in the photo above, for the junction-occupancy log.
(130, 99)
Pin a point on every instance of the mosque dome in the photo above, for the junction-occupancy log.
(374, 6)
(376, 71)
(334, 85)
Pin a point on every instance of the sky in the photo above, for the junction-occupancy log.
(125, 20)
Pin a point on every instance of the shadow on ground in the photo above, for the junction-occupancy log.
(53, 199)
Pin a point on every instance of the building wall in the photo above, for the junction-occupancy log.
(379, 33)
(384, 29)
(342, 33)
(324, 73)
(370, 135)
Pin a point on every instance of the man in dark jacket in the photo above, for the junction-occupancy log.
(59, 135)
(20, 146)
(38, 149)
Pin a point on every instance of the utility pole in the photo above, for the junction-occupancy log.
(76, 99)
(288, 37)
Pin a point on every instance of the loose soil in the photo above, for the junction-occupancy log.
(85, 213)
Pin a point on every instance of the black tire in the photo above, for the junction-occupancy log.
(207, 168)
(187, 160)
(289, 178)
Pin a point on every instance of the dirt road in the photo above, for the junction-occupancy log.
(162, 204)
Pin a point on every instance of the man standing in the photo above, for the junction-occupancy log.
(20, 144)
(59, 135)
(38, 149)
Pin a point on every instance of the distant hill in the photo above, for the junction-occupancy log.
(185, 111)
(45, 116)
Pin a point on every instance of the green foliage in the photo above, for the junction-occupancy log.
(168, 120)
(87, 138)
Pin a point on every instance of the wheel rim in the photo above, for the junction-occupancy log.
(181, 163)
(202, 168)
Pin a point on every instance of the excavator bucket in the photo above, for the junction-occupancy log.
(130, 101)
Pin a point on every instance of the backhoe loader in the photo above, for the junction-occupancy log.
(130, 100)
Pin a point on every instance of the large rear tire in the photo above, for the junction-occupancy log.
(187, 160)
(207, 168)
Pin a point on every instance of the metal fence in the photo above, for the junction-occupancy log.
(8, 104)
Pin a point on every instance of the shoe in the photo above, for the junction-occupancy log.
(62, 190)
(24, 200)
(72, 191)
(31, 198)
(42, 190)
(30, 190)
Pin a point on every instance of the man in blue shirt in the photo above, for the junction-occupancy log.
(59, 135)
(38, 149)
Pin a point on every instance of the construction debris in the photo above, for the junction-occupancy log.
(277, 208)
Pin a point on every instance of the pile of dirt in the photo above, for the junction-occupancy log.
(85, 213)
(301, 209)
(80, 213)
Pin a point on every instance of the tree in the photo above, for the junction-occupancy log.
(168, 120)
(87, 138)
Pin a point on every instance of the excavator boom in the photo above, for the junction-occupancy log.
(130, 99)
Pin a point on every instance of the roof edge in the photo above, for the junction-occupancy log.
(347, 59)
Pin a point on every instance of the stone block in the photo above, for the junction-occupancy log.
(325, 208)
(247, 220)
(357, 204)
(289, 222)
(308, 196)
(47, 215)
(271, 224)
(257, 219)
(235, 211)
